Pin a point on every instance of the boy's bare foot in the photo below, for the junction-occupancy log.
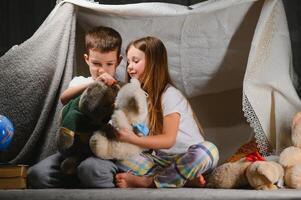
(198, 182)
(128, 180)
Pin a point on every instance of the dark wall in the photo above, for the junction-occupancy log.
(182, 2)
(293, 13)
(20, 18)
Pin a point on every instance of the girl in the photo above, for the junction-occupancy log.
(181, 155)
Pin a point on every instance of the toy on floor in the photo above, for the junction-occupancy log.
(229, 175)
(265, 175)
(244, 150)
(290, 158)
(251, 170)
(130, 113)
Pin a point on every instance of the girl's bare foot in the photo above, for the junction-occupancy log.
(197, 182)
(128, 180)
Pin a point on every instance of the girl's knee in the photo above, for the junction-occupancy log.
(205, 152)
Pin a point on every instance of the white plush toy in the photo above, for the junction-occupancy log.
(290, 158)
(130, 113)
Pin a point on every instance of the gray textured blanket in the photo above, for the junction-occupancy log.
(32, 76)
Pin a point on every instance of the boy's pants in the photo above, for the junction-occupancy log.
(92, 173)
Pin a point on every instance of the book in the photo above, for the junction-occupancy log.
(10, 170)
(13, 183)
(13, 176)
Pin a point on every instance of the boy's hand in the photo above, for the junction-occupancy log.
(107, 79)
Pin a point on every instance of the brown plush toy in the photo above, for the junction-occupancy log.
(89, 112)
(251, 170)
(229, 175)
(265, 175)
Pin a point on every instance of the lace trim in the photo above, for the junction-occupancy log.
(260, 137)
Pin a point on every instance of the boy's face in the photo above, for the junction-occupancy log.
(100, 63)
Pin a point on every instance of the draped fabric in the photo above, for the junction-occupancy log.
(231, 58)
(32, 76)
(270, 99)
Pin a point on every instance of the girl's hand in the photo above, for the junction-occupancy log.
(107, 79)
(125, 135)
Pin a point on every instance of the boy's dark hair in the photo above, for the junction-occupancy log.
(103, 39)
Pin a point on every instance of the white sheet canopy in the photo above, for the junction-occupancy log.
(219, 49)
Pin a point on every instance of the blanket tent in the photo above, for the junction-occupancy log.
(231, 58)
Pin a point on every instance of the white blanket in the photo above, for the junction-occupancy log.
(270, 99)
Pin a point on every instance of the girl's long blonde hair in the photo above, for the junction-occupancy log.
(155, 78)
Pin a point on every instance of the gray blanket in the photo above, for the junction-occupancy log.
(32, 76)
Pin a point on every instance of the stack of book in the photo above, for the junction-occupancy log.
(13, 176)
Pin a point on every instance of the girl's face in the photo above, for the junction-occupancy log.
(136, 62)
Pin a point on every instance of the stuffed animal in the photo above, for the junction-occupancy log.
(265, 175)
(82, 116)
(252, 171)
(130, 113)
(229, 175)
(290, 158)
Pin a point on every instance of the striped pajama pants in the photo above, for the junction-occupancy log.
(173, 170)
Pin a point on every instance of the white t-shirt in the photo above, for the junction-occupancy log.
(188, 134)
(78, 80)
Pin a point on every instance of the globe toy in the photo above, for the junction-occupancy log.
(6, 132)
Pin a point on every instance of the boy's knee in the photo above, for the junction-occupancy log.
(96, 173)
(36, 178)
(45, 174)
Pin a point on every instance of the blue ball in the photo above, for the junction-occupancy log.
(6, 132)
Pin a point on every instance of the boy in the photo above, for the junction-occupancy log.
(103, 46)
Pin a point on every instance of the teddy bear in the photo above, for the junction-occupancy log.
(290, 157)
(82, 116)
(229, 175)
(265, 175)
(130, 113)
(252, 170)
